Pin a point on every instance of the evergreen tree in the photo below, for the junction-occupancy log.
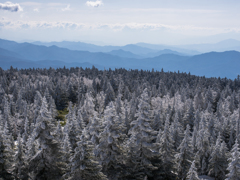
(6, 154)
(184, 157)
(166, 151)
(47, 163)
(176, 132)
(217, 163)
(83, 163)
(192, 173)
(20, 170)
(110, 150)
(203, 148)
(234, 163)
(140, 142)
(189, 117)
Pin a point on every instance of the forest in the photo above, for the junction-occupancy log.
(90, 124)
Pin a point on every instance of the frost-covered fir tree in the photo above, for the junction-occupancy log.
(192, 173)
(26, 130)
(176, 132)
(83, 163)
(234, 163)
(217, 162)
(211, 129)
(67, 148)
(87, 110)
(6, 154)
(110, 95)
(141, 148)
(188, 118)
(203, 147)
(72, 127)
(110, 150)
(139, 163)
(20, 168)
(185, 155)
(94, 128)
(166, 151)
(47, 162)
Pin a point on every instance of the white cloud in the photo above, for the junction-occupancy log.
(36, 10)
(115, 27)
(94, 3)
(9, 6)
(171, 10)
(66, 8)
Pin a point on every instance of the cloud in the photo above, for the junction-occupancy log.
(94, 3)
(116, 27)
(9, 6)
(36, 10)
(66, 8)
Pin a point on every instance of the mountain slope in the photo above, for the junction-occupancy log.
(158, 47)
(213, 64)
(80, 46)
(165, 51)
(6, 62)
(124, 54)
(4, 52)
(36, 53)
(226, 45)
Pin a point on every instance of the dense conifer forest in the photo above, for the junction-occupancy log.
(87, 124)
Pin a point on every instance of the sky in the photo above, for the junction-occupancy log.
(120, 22)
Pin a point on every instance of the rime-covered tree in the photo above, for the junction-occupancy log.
(188, 118)
(47, 162)
(6, 154)
(192, 173)
(234, 163)
(110, 149)
(217, 163)
(20, 168)
(166, 151)
(140, 142)
(185, 155)
(203, 148)
(110, 94)
(83, 163)
(176, 131)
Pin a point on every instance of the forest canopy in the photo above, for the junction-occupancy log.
(117, 124)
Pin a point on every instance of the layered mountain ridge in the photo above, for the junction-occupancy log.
(211, 64)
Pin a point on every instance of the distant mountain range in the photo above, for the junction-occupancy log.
(140, 49)
(194, 49)
(80, 46)
(212, 64)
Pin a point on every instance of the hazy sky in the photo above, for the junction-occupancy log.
(121, 21)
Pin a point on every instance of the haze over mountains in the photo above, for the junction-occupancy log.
(185, 58)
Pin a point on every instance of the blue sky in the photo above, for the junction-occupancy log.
(119, 22)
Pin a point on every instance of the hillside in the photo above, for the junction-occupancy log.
(212, 64)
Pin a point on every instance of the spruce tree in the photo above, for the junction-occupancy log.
(185, 155)
(234, 163)
(140, 142)
(217, 166)
(192, 173)
(110, 149)
(83, 163)
(47, 163)
(20, 168)
(6, 154)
